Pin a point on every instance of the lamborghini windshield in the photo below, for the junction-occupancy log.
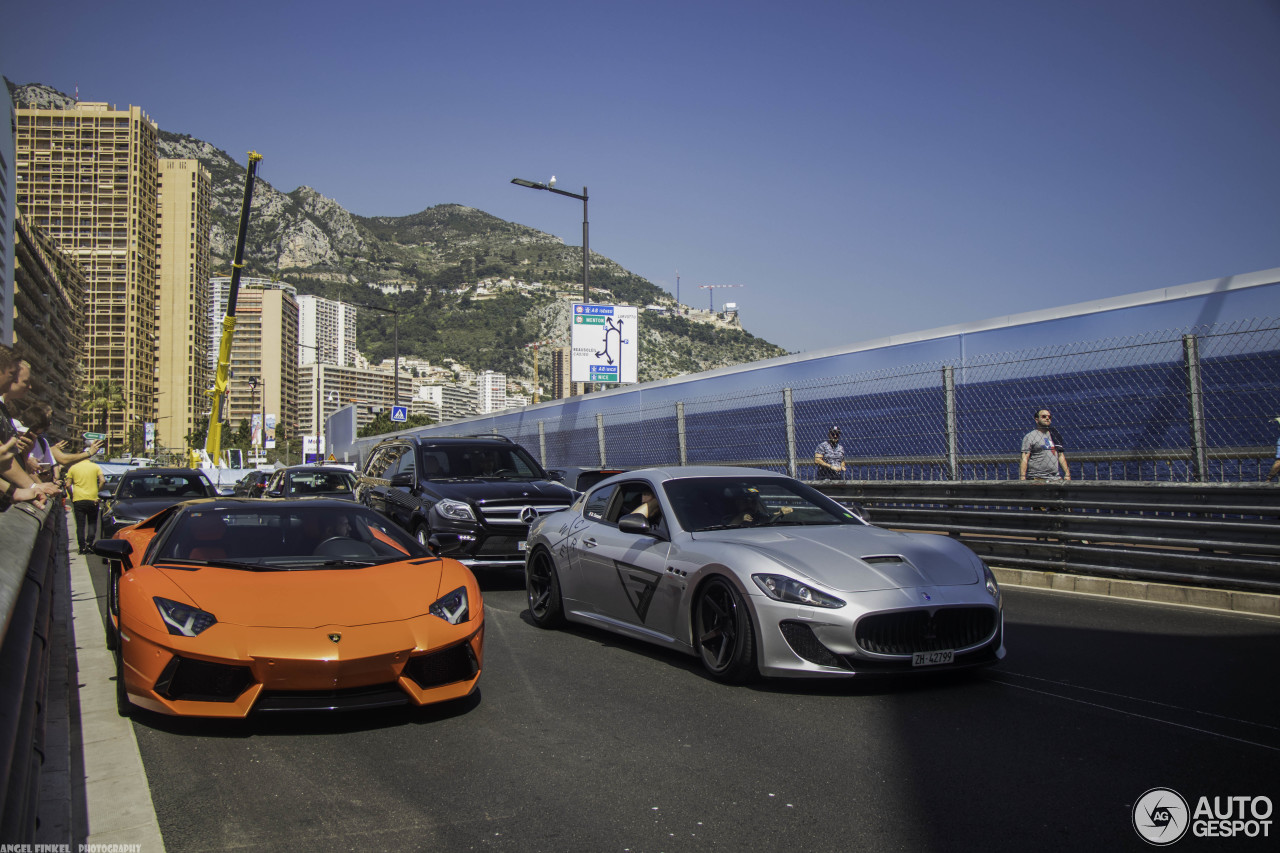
(253, 535)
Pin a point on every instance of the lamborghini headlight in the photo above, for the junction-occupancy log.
(452, 608)
(455, 510)
(792, 591)
(183, 620)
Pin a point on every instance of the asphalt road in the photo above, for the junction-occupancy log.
(581, 741)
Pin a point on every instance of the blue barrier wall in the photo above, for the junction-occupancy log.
(1114, 371)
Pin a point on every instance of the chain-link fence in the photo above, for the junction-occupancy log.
(1195, 404)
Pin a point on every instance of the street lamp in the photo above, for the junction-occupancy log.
(317, 377)
(586, 242)
(253, 404)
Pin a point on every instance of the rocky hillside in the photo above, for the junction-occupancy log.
(454, 273)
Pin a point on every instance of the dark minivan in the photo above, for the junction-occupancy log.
(469, 498)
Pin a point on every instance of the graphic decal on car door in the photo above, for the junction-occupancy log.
(639, 585)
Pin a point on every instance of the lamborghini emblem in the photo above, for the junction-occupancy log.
(333, 638)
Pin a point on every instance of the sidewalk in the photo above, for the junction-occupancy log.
(117, 799)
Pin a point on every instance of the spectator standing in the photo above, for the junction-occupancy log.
(1043, 451)
(829, 457)
(85, 479)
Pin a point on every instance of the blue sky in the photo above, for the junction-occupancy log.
(862, 168)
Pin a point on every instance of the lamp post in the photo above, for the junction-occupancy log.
(253, 404)
(586, 237)
(586, 241)
(317, 376)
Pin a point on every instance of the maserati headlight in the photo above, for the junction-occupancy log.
(993, 588)
(456, 510)
(452, 608)
(183, 620)
(792, 591)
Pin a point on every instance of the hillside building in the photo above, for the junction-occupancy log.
(86, 176)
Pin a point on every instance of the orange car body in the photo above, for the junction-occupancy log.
(296, 640)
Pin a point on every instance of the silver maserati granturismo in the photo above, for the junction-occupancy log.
(760, 574)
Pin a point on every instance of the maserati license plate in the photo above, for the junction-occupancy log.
(933, 658)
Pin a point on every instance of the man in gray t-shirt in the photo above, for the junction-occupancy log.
(1043, 452)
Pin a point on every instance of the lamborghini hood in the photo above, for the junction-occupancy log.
(310, 599)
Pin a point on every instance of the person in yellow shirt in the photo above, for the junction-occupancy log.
(85, 479)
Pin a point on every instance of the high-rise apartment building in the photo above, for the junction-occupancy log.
(8, 181)
(491, 392)
(86, 176)
(183, 370)
(326, 332)
(264, 351)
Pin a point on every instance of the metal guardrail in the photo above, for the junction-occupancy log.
(28, 538)
(1201, 534)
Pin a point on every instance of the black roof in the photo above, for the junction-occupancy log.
(165, 471)
(455, 440)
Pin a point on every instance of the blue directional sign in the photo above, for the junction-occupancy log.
(399, 413)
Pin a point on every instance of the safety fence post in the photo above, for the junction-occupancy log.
(953, 432)
(600, 437)
(680, 434)
(788, 406)
(1195, 404)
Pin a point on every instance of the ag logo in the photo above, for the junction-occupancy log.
(1160, 816)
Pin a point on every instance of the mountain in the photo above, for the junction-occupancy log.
(461, 279)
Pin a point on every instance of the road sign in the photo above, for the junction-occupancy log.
(399, 413)
(604, 343)
(94, 436)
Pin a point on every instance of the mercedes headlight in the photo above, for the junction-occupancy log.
(452, 608)
(455, 510)
(183, 620)
(792, 591)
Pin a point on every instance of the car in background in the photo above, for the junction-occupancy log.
(579, 478)
(298, 481)
(110, 482)
(759, 574)
(230, 606)
(471, 498)
(142, 492)
(251, 485)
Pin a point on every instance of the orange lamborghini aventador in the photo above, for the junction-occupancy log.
(225, 606)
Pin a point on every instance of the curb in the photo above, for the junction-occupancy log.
(1251, 603)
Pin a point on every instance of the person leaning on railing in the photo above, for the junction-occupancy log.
(20, 485)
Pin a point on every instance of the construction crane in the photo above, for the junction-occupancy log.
(712, 291)
(534, 346)
(210, 456)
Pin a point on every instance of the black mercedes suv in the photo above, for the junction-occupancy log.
(471, 498)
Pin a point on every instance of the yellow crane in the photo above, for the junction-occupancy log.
(534, 346)
(209, 457)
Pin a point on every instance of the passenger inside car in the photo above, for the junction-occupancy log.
(207, 534)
